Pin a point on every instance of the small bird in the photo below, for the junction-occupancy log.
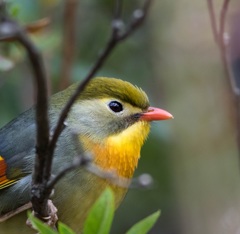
(110, 120)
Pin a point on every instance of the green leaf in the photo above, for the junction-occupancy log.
(41, 227)
(143, 226)
(64, 229)
(101, 214)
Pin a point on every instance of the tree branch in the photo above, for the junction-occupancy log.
(10, 30)
(213, 20)
(41, 183)
(85, 160)
(116, 36)
(222, 47)
(231, 82)
(138, 18)
(143, 181)
(69, 39)
(220, 39)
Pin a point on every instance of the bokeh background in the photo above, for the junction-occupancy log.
(173, 57)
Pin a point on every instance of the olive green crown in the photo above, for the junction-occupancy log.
(102, 87)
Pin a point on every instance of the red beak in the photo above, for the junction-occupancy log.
(154, 113)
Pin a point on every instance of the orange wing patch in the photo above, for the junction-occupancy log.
(4, 181)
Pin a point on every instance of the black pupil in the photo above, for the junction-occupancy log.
(115, 106)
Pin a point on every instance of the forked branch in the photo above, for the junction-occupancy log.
(10, 30)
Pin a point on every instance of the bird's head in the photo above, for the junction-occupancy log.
(112, 118)
(109, 106)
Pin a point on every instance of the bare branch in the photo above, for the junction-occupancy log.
(234, 56)
(15, 212)
(69, 38)
(9, 29)
(221, 41)
(115, 37)
(41, 184)
(80, 161)
(222, 47)
(213, 20)
(144, 181)
(222, 19)
(138, 18)
(85, 160)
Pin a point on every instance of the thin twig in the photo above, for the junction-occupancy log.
(118, 9)
(221, 41)
(222, 46)
(231, 80)
(219, 36)
(9, 29)
(69, 39)
(80, 161)
(213, 20)
(222, 19)
(138, 18)
(115, 38)
(86, 162)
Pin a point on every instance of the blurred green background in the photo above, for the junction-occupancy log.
(193, 158)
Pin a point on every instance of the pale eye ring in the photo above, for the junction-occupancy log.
(115, 106)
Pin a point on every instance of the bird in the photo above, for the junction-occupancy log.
(110, 120)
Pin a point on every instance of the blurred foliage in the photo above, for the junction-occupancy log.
(193, 158)
(99, 219)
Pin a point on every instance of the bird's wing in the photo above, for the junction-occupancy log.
(17, 153)
(17, 141)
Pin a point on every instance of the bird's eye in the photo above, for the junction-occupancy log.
(115, 106)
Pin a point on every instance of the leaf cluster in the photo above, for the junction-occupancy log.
(99, 219)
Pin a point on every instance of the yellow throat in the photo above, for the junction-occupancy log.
(119, 153)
